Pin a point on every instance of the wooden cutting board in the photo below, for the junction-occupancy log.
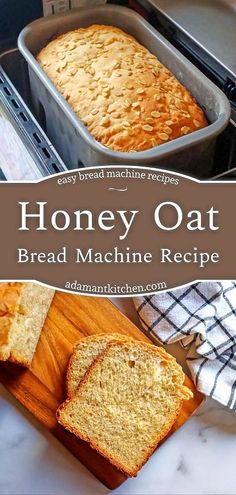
(42, 388)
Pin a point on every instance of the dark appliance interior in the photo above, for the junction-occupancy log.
(15, 97)
(205, 32)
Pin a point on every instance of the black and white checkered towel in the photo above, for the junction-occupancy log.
(202, 317)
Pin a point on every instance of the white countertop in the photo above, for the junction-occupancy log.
(199, 459)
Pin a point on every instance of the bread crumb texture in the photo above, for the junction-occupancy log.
(126, 403)
(23, 309)
(121, 92)
(85, 351)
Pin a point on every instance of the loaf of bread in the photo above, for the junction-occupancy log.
(85, 351)
(126, 403)
(23, 309)
(122, 93)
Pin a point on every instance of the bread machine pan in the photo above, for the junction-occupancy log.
(206, 30)
(192, 154)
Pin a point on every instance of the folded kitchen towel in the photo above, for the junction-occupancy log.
(202, 317)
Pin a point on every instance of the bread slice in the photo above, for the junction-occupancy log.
(23, 309)
(126, 403)
(85, 351)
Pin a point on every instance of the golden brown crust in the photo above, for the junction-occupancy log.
(186, 392)
(10, 293)
(21, 362)
(126, 98)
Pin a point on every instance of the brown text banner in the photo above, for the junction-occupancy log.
(117, 230)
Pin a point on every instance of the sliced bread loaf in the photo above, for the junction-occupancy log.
(126, 403)
(85, 351)
(23, 309)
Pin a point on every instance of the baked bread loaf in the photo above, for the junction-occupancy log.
(23, 309)
(125, 97)
(85, 351)
(126, 403)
